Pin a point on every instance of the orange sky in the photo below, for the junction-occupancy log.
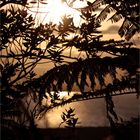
(109, 31)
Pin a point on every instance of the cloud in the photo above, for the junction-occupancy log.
(136, 40)
(111, 29)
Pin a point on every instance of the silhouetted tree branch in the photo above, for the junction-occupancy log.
(24, 45)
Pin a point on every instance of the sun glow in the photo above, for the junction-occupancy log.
(57, 9)
(53, 11)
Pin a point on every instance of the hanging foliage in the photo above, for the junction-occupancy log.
(22, 53)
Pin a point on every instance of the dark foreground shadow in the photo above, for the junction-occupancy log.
(90, 133)
(82, 133)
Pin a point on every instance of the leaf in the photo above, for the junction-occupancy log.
(83, 80)
(43, 2)
(116, 17)
(92, 6)
(89, 3)
(104, 13)
(92, 78)
(132, 30)
(124, 28)
(75, 121)
(70, 111)
(63, 117)
(33, 2)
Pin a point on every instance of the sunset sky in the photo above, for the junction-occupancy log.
(54, 10)
(90, 113)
